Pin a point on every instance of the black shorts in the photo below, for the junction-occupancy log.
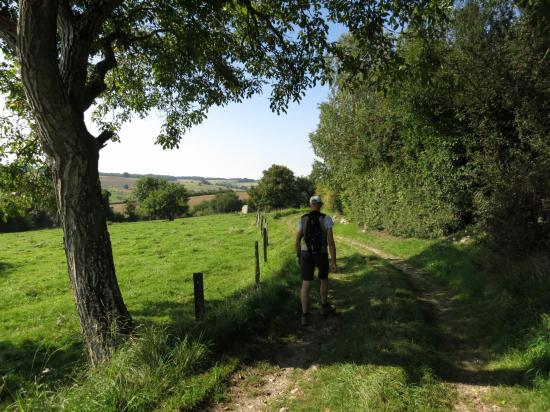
(308, 263)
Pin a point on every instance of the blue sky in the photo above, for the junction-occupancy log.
(238, 140)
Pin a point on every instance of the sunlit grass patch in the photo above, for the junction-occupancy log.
(173, 362)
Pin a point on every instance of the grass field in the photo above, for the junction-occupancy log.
(381, 354)
(121, 187)
(39, 333)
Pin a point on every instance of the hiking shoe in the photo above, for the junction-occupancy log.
(305, 319)
(328, 310)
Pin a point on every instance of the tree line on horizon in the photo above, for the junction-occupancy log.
(174, 177)
(155, 197)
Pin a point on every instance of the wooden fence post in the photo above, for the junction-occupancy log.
(198, 289)
(262, 223)
(257, 253)
(265, 244)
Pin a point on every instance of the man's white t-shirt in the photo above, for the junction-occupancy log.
(327, 223)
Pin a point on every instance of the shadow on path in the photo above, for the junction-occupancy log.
(460, 359)
(384, 320)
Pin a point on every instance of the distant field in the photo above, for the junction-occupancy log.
(198, 186)
(234, 183)
(121, 187)
(117, 181)
(193, 200)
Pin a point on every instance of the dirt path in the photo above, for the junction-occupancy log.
(465, 365)
(277, 367)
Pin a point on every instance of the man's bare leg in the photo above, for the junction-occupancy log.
(305, 296)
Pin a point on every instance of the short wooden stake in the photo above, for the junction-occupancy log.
(198, 289)
(257, 253)
(265, 244)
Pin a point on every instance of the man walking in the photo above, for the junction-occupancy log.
(313, 241)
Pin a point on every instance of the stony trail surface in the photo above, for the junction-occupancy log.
(291, 359)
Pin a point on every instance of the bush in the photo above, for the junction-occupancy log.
(204, 208)
(168, 202)
(130, 210)
(227, 202)
(443, 138)
(160, 199)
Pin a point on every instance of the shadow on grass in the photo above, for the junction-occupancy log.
(31, 361)
(456, 268)
(228, 324)
(3, 267)
(381, 322)
(496, 300)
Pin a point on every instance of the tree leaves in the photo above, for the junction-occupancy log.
(455, 133)
(180, 58)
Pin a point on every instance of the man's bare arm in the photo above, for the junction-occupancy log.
(299, 236)
(332, 249)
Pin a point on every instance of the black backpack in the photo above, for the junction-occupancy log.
(313, 232)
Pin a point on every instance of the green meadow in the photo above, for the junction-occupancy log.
(39, 332)
(383, 351)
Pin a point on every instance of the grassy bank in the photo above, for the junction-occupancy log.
(509, 322)
(173, 362)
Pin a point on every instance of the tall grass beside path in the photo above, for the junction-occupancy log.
(508, 322)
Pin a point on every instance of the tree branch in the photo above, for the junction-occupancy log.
(258, 14)
(78, 32)
(95, 16)
(97, 85)
(103, 138)
(65, 16)
(8, 29)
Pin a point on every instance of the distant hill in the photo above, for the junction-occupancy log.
(121, 185)
(170, 177)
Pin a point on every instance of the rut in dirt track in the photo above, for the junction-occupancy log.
(464, 365)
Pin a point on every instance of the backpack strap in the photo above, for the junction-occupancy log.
(305, 222)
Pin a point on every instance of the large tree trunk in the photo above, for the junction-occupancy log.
(74, 154)
(103, 315)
